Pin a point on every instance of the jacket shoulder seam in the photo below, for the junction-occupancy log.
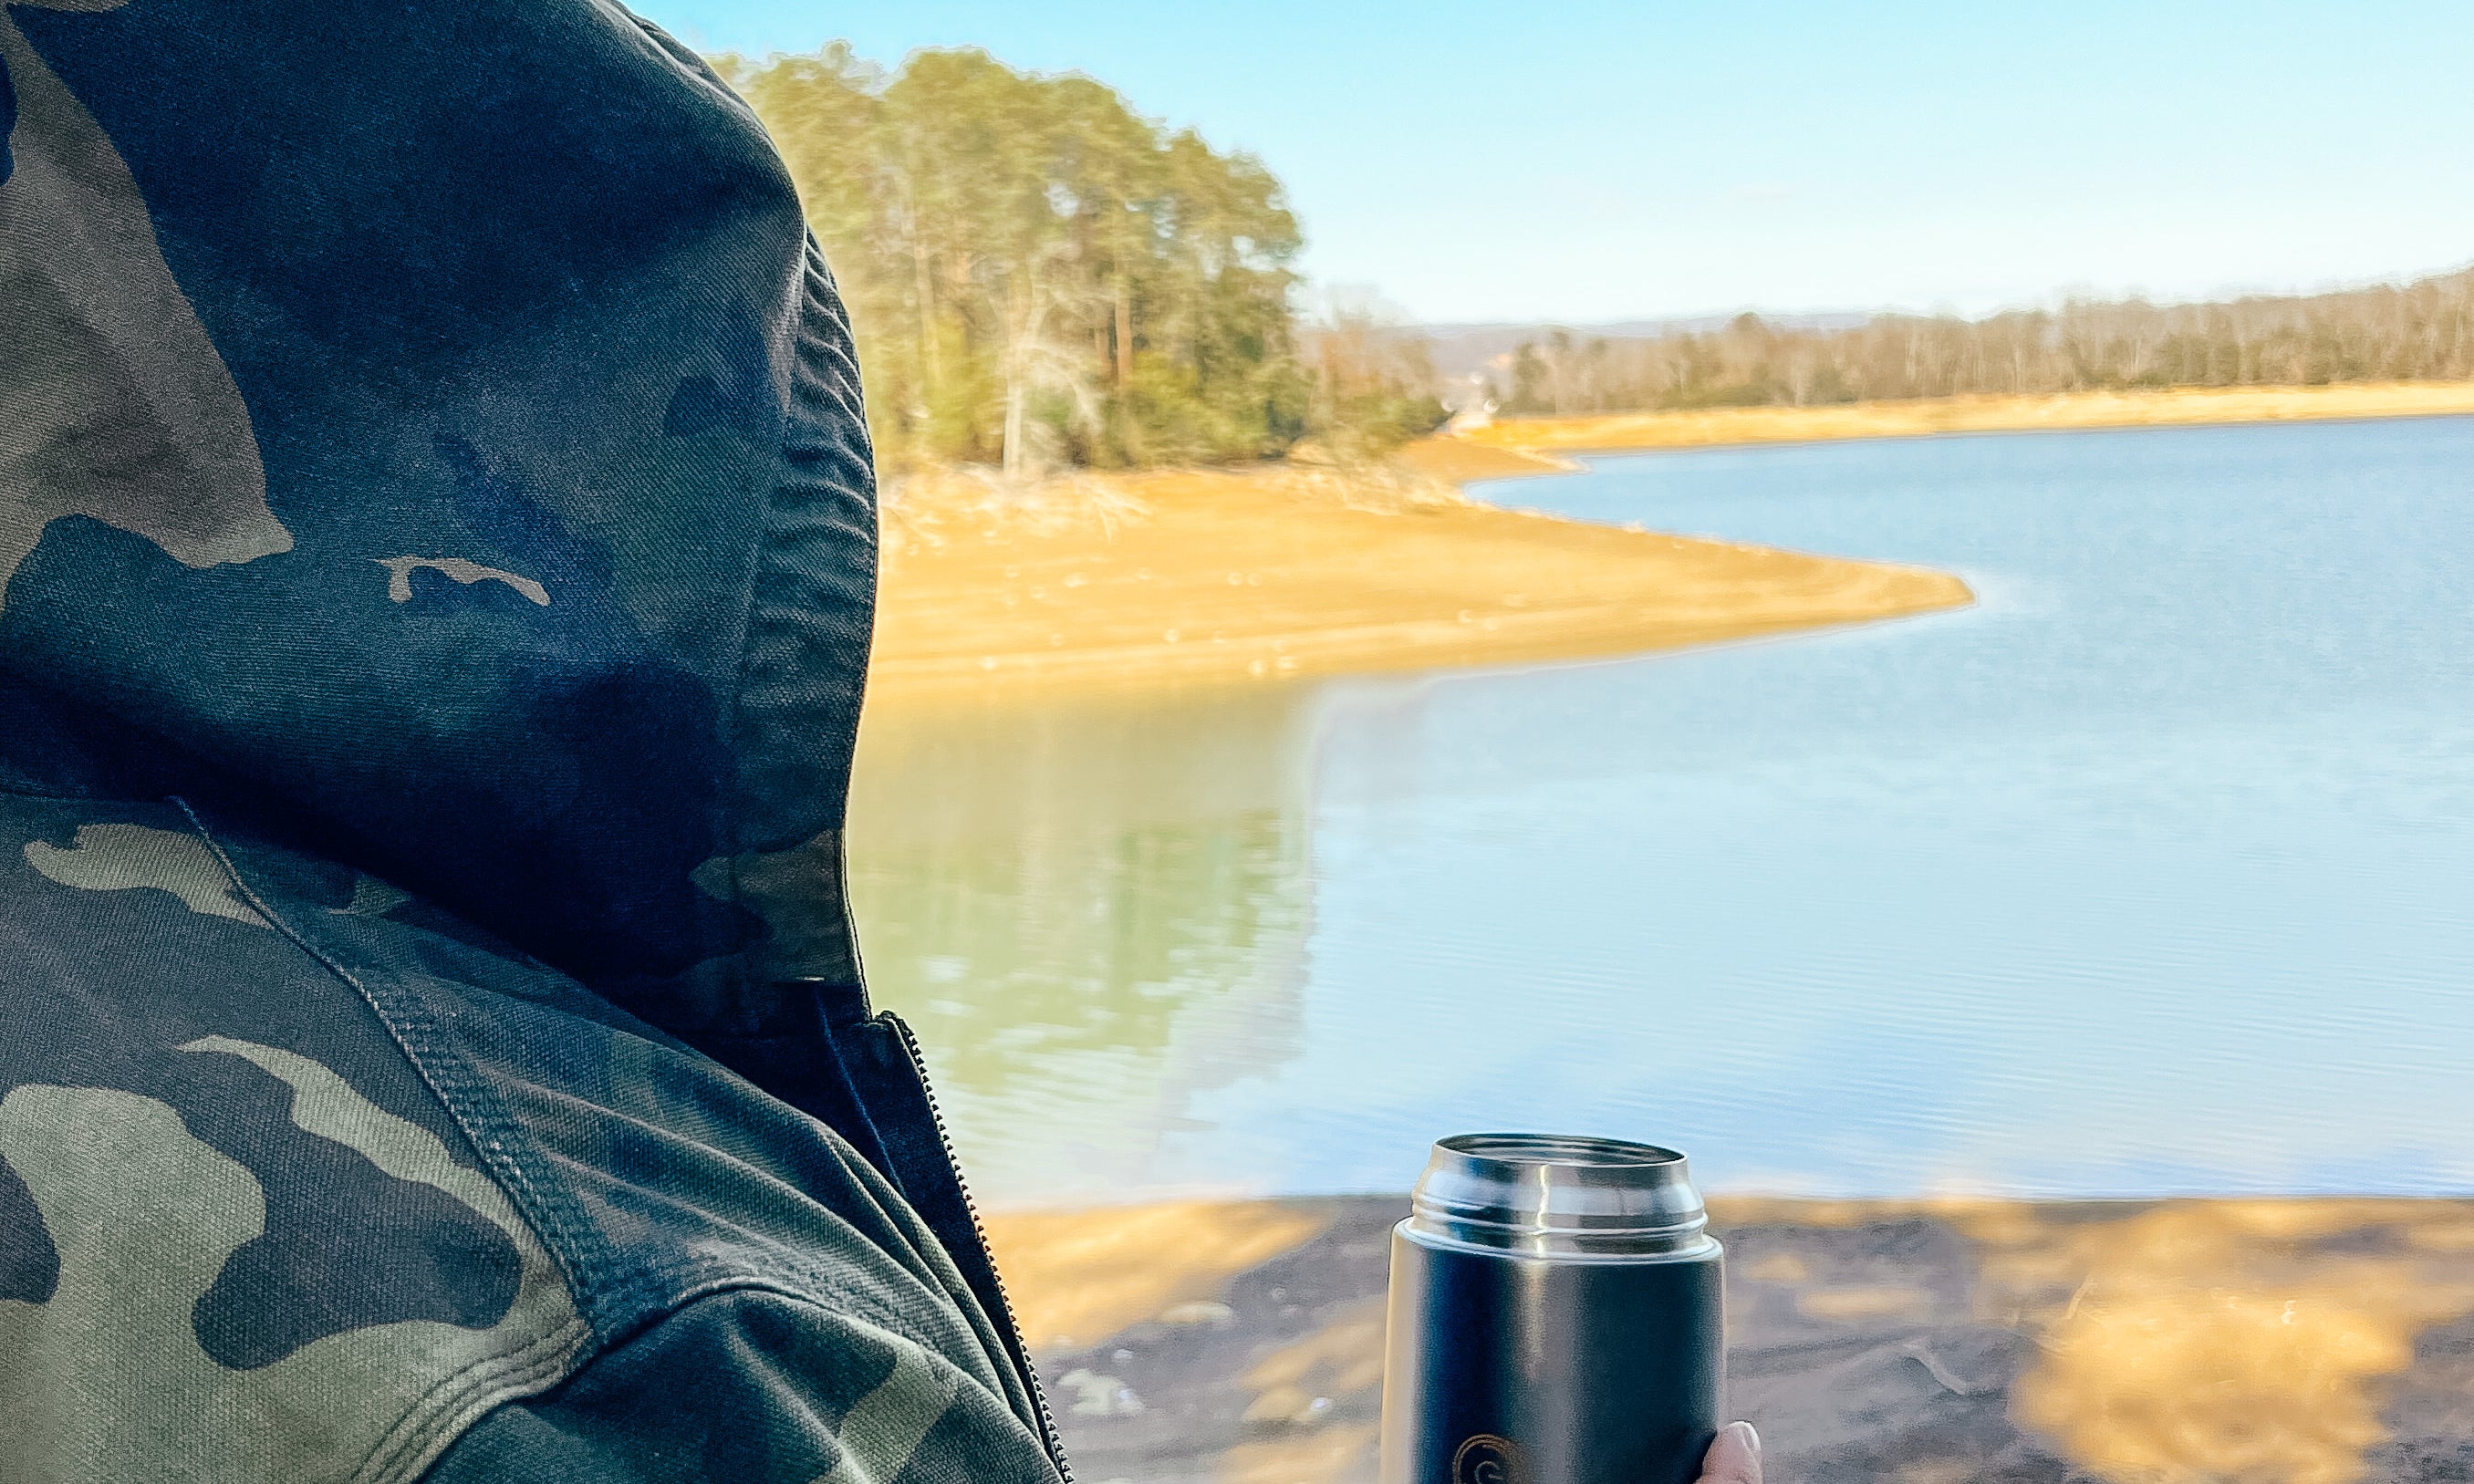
(494, 1134)
(442, 1413)
(838, 1306)
(693, 1282)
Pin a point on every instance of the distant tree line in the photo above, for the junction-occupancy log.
(1374, 385)
(2420, 331)
(1038, 274)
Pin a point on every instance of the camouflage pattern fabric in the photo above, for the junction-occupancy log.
(436, 564)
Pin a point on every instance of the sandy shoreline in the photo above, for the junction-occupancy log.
(2167, 408)
(2283, 1341)
(1286, 571)
(1245, 576)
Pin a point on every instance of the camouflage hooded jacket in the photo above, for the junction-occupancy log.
(436, 565)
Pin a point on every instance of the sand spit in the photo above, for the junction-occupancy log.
(1288, 572)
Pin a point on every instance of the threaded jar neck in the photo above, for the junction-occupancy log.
(1559, 1195)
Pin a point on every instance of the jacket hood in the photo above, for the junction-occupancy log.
(431, 430)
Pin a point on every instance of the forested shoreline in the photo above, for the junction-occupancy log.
(2422, 330)
(1041, 275)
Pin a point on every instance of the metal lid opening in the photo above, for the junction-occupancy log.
(1565, 1195)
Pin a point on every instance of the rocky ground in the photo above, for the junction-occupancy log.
(2294, 1342)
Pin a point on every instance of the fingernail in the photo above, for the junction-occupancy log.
(1752, 1439)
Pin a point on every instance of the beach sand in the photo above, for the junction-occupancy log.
(2282, 1342)
(1286, 571)
(1548, 438)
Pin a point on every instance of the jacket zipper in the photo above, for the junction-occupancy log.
(1050, 1436)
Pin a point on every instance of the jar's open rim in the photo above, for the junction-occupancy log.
(1572, 1150)
(1559, 1193)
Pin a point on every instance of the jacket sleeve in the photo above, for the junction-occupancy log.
(757, 1388)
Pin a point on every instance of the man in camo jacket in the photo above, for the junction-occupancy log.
(437, 545)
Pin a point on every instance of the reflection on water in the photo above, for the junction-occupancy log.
(2146, 876)
(1090, 911)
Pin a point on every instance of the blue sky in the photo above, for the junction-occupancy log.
(1595, 161)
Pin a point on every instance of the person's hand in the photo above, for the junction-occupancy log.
(1735, 1456)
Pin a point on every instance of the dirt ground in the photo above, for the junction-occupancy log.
(2286, 1342)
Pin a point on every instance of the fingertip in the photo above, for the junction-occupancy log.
(1735, 1456)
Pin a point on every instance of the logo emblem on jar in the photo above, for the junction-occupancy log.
(1486, 1459)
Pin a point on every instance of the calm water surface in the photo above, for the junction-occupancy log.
(2148, 875)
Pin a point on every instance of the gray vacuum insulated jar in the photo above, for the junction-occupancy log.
(1556, 1317)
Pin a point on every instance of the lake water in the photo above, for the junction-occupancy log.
(2148, 875)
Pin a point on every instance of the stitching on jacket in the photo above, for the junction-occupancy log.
(492, 1133)
(651, 1289)
(441, 1414)
(895, 1325)
(758, 560)
(688, 1282)
(805, 304)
